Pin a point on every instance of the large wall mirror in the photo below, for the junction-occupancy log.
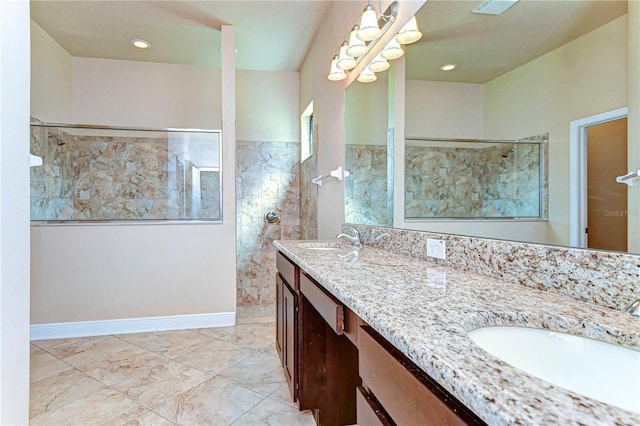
(554, 69)
(369, 187)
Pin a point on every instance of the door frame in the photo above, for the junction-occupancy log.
(578, 172)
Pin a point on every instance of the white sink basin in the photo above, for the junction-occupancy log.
(598, 370)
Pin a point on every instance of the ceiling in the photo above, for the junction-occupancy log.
(486, 47)
(274, 35)
(271, 35)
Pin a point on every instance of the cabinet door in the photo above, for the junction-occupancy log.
(280, 318)
(290, 322)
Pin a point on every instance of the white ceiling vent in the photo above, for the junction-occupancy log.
(494, 7)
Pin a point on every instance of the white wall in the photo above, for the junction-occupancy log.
(87, 273)
(50, 78)
(267, 106)
(14, 212)
(145, 94)
(366, 113)
(445, 110)
(585, 77)
(115, 92)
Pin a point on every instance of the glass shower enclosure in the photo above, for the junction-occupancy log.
(115, 174)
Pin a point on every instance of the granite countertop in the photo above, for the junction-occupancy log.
(426, 310)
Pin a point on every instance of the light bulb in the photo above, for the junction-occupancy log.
(379, 64)
(367, 76)
(392, 50)
(356, 46)
(345, 62)
(369, 24)
(409, 33)
(336, 74)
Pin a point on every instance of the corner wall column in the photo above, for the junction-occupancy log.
(228, 73)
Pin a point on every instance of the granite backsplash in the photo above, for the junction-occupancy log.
(608, 279)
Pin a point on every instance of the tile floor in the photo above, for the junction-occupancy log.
(255, 312)
(212, 376)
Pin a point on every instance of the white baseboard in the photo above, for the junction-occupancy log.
(63, 330)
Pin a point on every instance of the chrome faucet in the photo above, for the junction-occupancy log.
(354, 238)
(634, 308)
(377, 239)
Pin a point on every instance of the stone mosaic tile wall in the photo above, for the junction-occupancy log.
(308, 199)
(365, 189)
(267, 178)
(117, 178)
(602, 278)
(496, 181)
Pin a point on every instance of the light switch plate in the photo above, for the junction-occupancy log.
(436, 249)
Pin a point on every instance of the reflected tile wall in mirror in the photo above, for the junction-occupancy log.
(496, 181)
(365, 189)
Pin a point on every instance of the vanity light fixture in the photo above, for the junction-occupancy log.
(345, 62)
(448, 67)
(367, 76)
(379, 64)
(140, 43)
(336, 74)
(409, 33)
(392, 50)
(356, 46)
(369, 28)
(363, 36)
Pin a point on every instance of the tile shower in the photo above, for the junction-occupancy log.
(102, 174)
(267, 178)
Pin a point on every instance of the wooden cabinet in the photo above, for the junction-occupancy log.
(287, 320)
(328, 361)
(343, 370)
(404, 393)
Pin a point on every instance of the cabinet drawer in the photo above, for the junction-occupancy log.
(369, 412)
(287, 269)
(329, 308)
(352, 323)
(408, 395)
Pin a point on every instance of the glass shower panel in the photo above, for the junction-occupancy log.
(116, 174)
(450, 179)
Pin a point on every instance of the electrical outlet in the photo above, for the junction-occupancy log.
(436, 248)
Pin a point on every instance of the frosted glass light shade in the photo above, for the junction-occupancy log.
(379, 64)
(345, 62)
(392, 50)
(369, 24)
(367, 76)
(409, 33)
(356, 46)
(336, 74)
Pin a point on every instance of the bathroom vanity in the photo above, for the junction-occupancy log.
(372, 337)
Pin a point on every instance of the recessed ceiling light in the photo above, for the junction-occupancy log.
(140, 43)
(448, 67)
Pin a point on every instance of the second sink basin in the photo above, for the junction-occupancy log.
(599, 370)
